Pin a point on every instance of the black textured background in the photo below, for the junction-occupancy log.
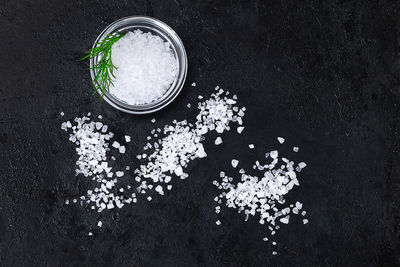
(323, 74)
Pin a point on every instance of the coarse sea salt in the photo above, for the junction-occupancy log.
(146, 67)
(182, 143)
(262, 195)
(92, 140)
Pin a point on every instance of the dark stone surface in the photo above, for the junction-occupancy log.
(323, 74)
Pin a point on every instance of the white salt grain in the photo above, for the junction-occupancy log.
(193, 84)
(273, 154)
(122, 149)
(99, 224)
(240, 129)
(218, 141)
(127, 138)
(281, 140)
(251, 146)
(234, 163)
(146, 67)
(284, 220)
(295, 149)
(115, 144)
(302, 165)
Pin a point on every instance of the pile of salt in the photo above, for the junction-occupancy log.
(146, 67)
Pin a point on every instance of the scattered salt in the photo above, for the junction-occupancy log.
(281, 140)
(262, 195)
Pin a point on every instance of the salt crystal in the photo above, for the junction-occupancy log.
(284, 220)
(99, 224)
(302, 165)
(218, 222)
(159, 189)
(305, 221)
(99, 125)
(122, 149)
(119, 173)
(62, 114)
(251, 146)
(90, 234)
(153, 120)
(273, 154)
(281, 140)
(234, 163)
(179, 171)
(115, 144)
(193, 84)
(295, 149)
(240, 129)
(127, 138)
(218, 141)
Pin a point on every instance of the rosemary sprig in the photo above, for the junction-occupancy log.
(104, 68)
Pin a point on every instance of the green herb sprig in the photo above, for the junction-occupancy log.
(103, 68)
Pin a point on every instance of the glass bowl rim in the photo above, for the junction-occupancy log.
(179, 52)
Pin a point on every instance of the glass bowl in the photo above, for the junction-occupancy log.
(159, 28)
